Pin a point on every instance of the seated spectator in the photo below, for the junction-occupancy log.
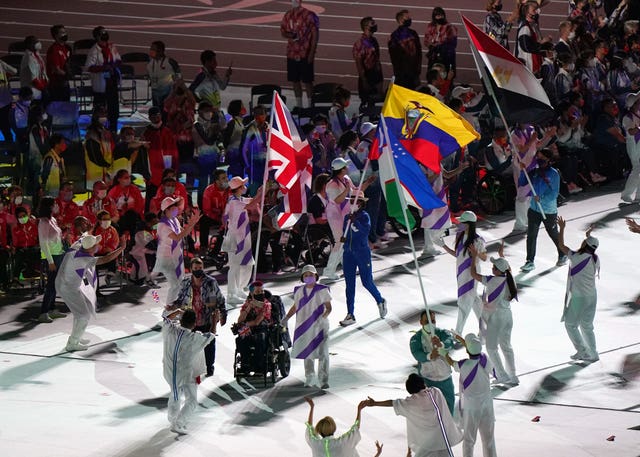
(254, 148)
(98, 147)
(609, 141)
(81, 225)
(131, 154)
(144, 250)
(252, 324)
(16, 199)
(214, 201)
(498, 155)
(24, 245)
(68, 209)
(163, 152)
(337, 114)
(109, 242)
(564, 80)
(99, 201)
(232, 138)
(129, 201)
(207, 141)
(170, 188)
(53, 171)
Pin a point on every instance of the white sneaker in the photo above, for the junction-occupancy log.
(332, 276)
(382, 308)
(348, 320)
(431, 252)
(55, 314)
(562, 260)
(577, 356)
(529, 266)
(235, 300)
(513, 381)
(44, 318)
(71, 347)
(178, 429)
(85, 341)
(519, 228)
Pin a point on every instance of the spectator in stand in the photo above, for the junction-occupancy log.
(317, 206)
(254, 148)
(103, 62)
(609, 140)
(109, 242)
(337, 114)
(405, 51)
(81, 225)
(548, 71)
(566, 34)
(98, 148)
(207, 140)
(323, 143)
(180, 107)
(582, 41)
(632, 62)
(170, 188)
(618, 81)
(144, 249)
(631, 124)
(436, 80)
(98, 201)
(38, 146)
(300, 27)
(163, 152)
(529, 38)
(129, 202)
(214, 201)
(58, 65)
(563, 83)
(232, 137)
(496, 27)
(16, 199)
(163, 71)
(582, 8)
(592, 82)
(498, 155)
(366, 54)
(208, 84)
(441, 40)
(6, 99)
(33, 71)
(24, 245)
(131, 154)
(19, 117)
(53, 171)
(50, 237)
(68, 209)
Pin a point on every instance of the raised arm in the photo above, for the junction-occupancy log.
(311, 406)
(561, 226)
(371, 402)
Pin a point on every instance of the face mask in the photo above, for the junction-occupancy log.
(55, 209)
(23, 220)
(156, 125)
(207, 115)
(37, 46)
(571, 67)
(542, 163)
(168, 190)
(103, 120)
(67, 196)
(428, 328)
(295, 3)
(407, 23)
(104, 36)
(535, 17)
(18, 200)
(309, 280)
(174, 213)
(101, 194)
(180, 91)
(258, 297)
(64, 38)
(373, 28)
(105, 224)
(615, 111)
(224, 185)
(154, 227)
(572, 35)
(443, 74)
(45, 116)
(498, 7)
(441, 21)
(198, 273)
(321, 129)
(125, 182)
(243, 111)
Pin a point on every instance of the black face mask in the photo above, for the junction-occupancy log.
(542, 163)
(373, 28)
(258, 297)
(104, 36)
(407, 23)
(64, 38)
(198, 273)
(498, 7)
(441, 21)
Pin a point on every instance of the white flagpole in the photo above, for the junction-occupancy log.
(487, 80)
(354, 205)
(403, 205)
(264, 190)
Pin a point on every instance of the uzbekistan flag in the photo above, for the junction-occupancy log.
(400, 171)
(428, 129)
(290, 158)
(519, 94)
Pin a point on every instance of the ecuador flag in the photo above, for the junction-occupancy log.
(428, 129)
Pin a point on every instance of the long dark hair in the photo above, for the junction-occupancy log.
(45, 209)
(471, 237)
(511, 283)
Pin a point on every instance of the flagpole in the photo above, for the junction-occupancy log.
(404, 206)
(264, 190)
(492, 94)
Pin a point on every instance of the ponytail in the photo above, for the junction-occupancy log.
(511, 283)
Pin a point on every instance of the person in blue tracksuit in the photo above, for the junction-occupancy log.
(357, 256)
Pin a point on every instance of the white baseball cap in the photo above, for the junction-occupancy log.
(592, 241)
(468, 216)
(474, 346)
(459, 90)
(500, 263)
(338, 163)
(367, 127)
(169, 201)
(237, 182)
(88, 241)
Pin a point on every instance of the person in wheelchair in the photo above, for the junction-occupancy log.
(252, 330)
(24, 245)
(497, 154)
(109, 241)
(143, 253)
(214, 200)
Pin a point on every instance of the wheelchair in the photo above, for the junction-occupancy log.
(277, 360)
(27, 270)
(495, 192)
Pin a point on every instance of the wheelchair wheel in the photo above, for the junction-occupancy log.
(284, 363)
(319, 246)
(401, 230)
(492, 193)
(237, 360)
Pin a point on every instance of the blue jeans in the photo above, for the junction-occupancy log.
(358, 260)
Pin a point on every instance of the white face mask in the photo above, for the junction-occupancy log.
(45, 116)
(572, 35)
(105, 224)
(18, 200)
(103, 120)
(295, 3)
(571, 67)
(37, 46)
(157, 125)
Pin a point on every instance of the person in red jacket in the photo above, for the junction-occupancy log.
(214, 201)
(80, 226)
(170, 188)
(163, 152)
(24, 245)
(110, 240)
(69, 209)
(58, 65)
(129, 201)
(99, 201)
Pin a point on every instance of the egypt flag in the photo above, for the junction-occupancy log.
(290, 158)
(517, 91)
(399, 172)
(425, 127)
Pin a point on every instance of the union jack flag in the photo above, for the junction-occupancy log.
(290, 157)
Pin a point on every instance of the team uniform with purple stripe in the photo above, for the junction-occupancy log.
(237, 244)
(467, 294)
(169, 258)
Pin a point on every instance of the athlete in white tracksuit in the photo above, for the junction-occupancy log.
(500, 289)
(435, 221)
(467, 294)
(182, 346)
(476, 402)
(581, 297)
